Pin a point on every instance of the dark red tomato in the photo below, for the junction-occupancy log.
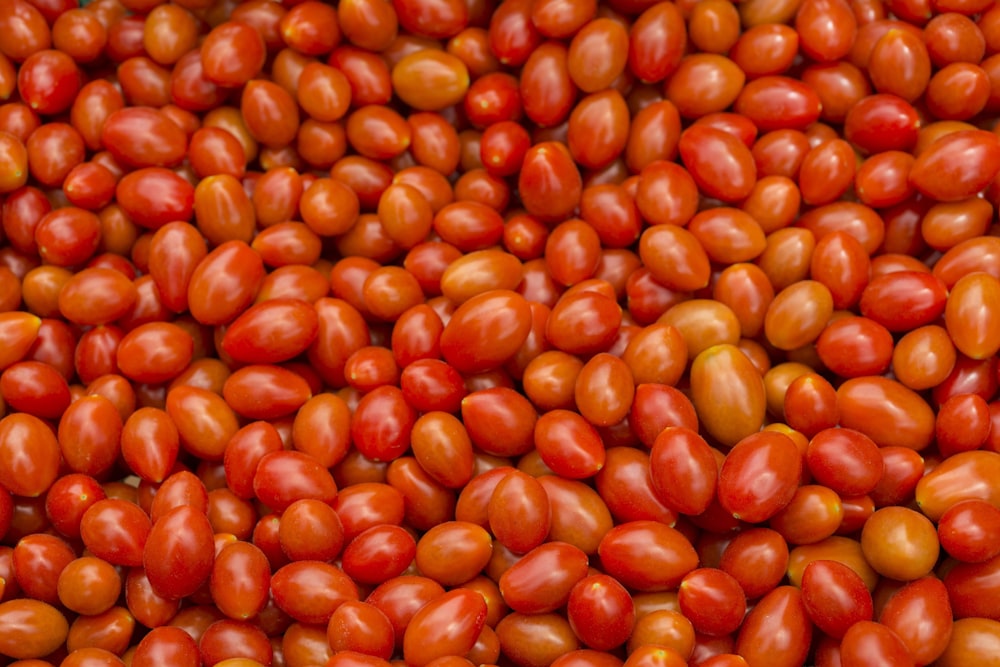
(224, 283)
(178, 553)
(601, 612)
(964, 527)
(155, 352)
(87, 433)
(116, 530)
(310, 591)
(144, 137)
(35, 388)
(271, 332)
(845, 460)
(720, 163)
(740, 487)
(668, 557)
(757, 559)
(835, 597)
(940, 173)
(777, 629)
(541, 581)
(173, 199)
(283, 477)
(429, 636)
(378, 554)
(262, 391)
(855, 346)
(683, 470)
(882, 122)
(568, 444)
(549, 183)
(927, 600)
(485, 331)
(870, 643)
(778, 102)
(382, 424)
(904, 300)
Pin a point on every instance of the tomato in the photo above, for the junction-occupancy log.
(970, 638)
(965, 177)
(728, 393)
(713, 600)
(721, 165)
(518, 513)
(177, 561)
(926, 599)
(886, 411)
(240, 580)
(866, 642)
(683, 470)
(668, 555)
(23, 474)
(940, 489)
(600, 612)
(35, 628)
(784, 609)
(427, 637)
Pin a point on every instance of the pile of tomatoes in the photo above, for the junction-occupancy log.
(448, 333)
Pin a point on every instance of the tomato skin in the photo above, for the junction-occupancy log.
(886, 411)
(579, 516)
(542, 580)
(971, 639)
(144, 137)
(568, 444)
(668, 555)
(283, 477)
(728, 393)
(920, 614)
(173, 347)
(517, 512)
(957, 178)
(310, 591)
(778, 102)
(969, 312)
(485, 331)
(835, 597)
(115, 530)
(960, 477)
(867, 642)
(963, 527)
(178, 553)
(683, 470)
(448, 625)
(720, 163)
(904, 300)
(740, 488)
(34, 629)
(224, 283)
(240, 580)
(776, 630)
(260, 391)
(549, 183)
(601, 612)
(382, 424)
(20, 472)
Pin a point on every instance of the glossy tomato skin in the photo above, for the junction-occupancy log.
(466, 612)
(961, 177)
(773, 452)
(485, 331)
(179, 560)
(760, 638)
(728, 393)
